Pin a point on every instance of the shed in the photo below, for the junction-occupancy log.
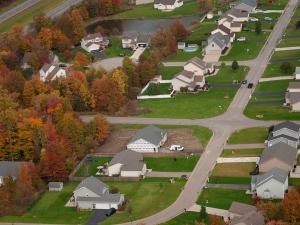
(55, 186)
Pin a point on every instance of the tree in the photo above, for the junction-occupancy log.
(234, 65)
(129, 69)
(297, 25)
(215, 220)
(278, 222)
(290, 207)
(179, 31)
(203, 214)
(98, 129)
(81, 60)
(258, 27)
(121, 79)
(270, 210)
(41, 21)
(204, 6)
(45, 37)
(287, 67)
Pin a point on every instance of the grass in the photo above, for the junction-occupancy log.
(250, 152)
(91, 168)
(229, 180)
(201, 32)
(168, 73)
(222, 198)
(273, 69)
(249, 136)
(226, 75)
(285, 55)
(146, 198)
(148, 11)
(291, 29)
(289, 42)
(163, 89)
(26, 16)
(74, 51)
(50, 209)
(172, 164)
(182, 56)
(294, 181)
(276, 5)
(233, 169)
(187, 218)
(116, 49)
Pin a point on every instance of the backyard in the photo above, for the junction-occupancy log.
(168, 73)
(233, 169)
(250, 152)
(90, 168)
(116, 49)
(251, 135)
(158, 89)
(229, 180)
(273, 69)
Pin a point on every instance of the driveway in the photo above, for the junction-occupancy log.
(271, 102)
(213, 58)
(230, 186)
(97, 216)
(108, 64)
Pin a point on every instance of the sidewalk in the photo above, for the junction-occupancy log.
(287, 48)
(230, 186)
(245, 146)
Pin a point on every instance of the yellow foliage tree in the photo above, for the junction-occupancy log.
(121, 79)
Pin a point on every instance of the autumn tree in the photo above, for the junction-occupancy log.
(41, 21)
(98, 129)
(290, 207)
(270, 210)
(45, 37)
(81, 60)
(179, 31)
(121, 79)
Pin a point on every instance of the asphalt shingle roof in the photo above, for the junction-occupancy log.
(106, 198)
(10, 168)
(151, 133)
(219, 39)
(93, 184)
(130, 160)
(275, 173)
(287, 124)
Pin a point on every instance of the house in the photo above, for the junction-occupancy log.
(10, 169)
(271, 185)
(224, 31)
(199, 67)
(187, 80)
(238, 15)
(294, 87)
(244, 214)
(286, 132)
(55, 186)
(297, 73)
(52, 59)
(229, 22)
(92, 193)
(127, 164)
(292, 99)
(50, 72)
(246, 5)
(94, 42)
(135, 40)
(167, 5)
(148, 139)
(217, 44)
(281, 155)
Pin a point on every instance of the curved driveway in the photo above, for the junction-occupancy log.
(222, 126)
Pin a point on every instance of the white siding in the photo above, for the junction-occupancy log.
(142, 146)
(272, 189)
(114, 169)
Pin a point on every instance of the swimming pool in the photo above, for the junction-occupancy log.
(191, 48)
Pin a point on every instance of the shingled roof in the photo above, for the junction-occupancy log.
(93, 184)
(151, 133)
(130, 160)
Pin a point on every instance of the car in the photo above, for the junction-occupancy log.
(241, 39)
(176, 148)
(253, 19)
(268, 19)
(250, 85)
(110, 212)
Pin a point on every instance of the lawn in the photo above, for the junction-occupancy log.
(285, 55)
(233, 169)
(74, 51)
(201, 32)
(147, 11)
(249, 136)
(158, 89)
(27, 15)
(116, 49)
(289, 42)
(294, 181)
(276, 5)
(168, 73)
(226, 75)
(50, 209)
(172, 164)
(272, 86)
(229, 180)
(90, 168)
(291, 30)
(187, 218)
(188, 105)
(146, 198)
(250, 152)
(273, 69)
(182, 56)
(222, 198)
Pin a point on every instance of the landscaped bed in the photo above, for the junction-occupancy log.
(222, 198)
(233, 153)
(251, 135)
(233, 169)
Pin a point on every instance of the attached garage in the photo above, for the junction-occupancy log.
(102, 202)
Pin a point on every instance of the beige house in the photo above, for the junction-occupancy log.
(243, 214)
(224, 31)
(217, 44)
(292, 97)
(187, 80)
(199, 67)
(229, 22)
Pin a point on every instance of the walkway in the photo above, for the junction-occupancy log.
(244, 146)
(210, 210)
(287, 48)
(167, 174)
(230, 186)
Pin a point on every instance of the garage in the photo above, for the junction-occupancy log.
(211, 57)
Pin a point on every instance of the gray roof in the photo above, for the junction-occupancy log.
(219, 39)
(143, 38)
(46, 67)
(92, 36)
(55, 184)
(251, 3)
(106, 198)
(272, 137)
(93, 184)
(280, 151)
(199, 63)
(293, 97)
(287, 124)
(130, 160)
(10, 168)
(241, 208)
(165, 2)
(294, 85)
(237, 13)
(151, 133)
(250, 218)
(275, 173)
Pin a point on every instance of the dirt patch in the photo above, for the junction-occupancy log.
(119, 138)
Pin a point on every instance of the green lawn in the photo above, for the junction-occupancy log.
(289, 42)
(286, 54)
(226, 75)
(222, 198)
(294, 181)
(273, 69)
(233, 169)
(91, 168)
(276, 5)
(27, 15)
(50, 209)
(161, 89)
(145, 197)
(116, 49)
(229, 180)
(291, 29)
(182, 56)
(168, 73)
(232, 153)
(249, 136)
(201, 32)
(74, 51)
(147, 11)
(187, 218)
(172, 164)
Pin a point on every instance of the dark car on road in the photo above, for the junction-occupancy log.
(250, 85)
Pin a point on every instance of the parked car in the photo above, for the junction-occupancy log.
(253, 19)
(250, 85)
(111, 211)
(241, 39)
(244, 82)
(268, 19)
(176, 148)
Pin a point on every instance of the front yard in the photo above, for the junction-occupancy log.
(273, 69)
(233, 169)
(222, 198)
(187, 218)
(233, 153)
(227, 76)
(251, 135)
(229, 180)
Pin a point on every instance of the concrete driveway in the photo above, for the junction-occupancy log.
(108, 64)
(213, 58)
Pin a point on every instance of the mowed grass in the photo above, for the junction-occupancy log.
(222, 198)
(172, 164)
(249, 152)
(273, 69)
(146, 198)
(249, 136)
(90, 168)
(285, 55)
(168, 73)
(116, 49)
(276, 5)
(226, 75)
(233, 169)
(182, 56)
(187, 218)
(201, 32)
(50, 209)
(229, 180)
(294, 181)
(289, 42)
(27, 15)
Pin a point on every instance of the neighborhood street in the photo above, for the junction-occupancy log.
(222, 126)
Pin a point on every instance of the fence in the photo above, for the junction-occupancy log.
(155, 96)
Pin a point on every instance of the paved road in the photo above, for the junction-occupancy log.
(62, 8)
(18, 9)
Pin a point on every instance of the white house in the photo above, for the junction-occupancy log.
(167, 5)
(238, 15)
(297, 73)
(127, 164)
(224, 31)
(199, 67)
(188, 80)
(246, 5)
(50, 72)
(217, 44)
(10, 169)
(148, 139)
(135, 40)
(93, 42)
(271, 185)
(92, 193)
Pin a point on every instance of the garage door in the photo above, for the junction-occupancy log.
(102, 206)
